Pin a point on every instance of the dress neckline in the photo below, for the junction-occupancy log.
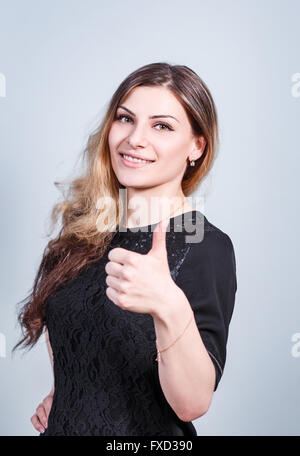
(177, 220)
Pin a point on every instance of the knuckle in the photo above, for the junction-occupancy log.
(127, 273)
(124, 287)
(133, 260)
(122, 300)
(125, 302)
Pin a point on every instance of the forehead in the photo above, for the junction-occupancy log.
(152, 101)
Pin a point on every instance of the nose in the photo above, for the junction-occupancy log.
(137, 137)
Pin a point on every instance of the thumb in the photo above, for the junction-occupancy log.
(159, 245)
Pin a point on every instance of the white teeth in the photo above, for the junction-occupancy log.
(138, 160)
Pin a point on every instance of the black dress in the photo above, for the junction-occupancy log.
(105, 373)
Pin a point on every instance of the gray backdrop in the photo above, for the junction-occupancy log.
(60, 61)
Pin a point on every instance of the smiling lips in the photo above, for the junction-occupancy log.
(132, 162)
(133, 155)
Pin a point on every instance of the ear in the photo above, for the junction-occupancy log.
(199, 147)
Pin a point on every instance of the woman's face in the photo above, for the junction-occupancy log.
(166, 140)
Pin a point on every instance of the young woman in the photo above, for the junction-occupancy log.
(135, 295)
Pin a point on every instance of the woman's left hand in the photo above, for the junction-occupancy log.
(142, 282)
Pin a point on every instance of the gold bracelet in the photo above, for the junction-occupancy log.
(158, 357)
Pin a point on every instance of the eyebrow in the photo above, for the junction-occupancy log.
(150, 117)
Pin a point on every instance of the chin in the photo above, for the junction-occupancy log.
(137, 185)
(138, 181)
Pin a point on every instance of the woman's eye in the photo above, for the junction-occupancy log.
(121, 116)
(164, 125)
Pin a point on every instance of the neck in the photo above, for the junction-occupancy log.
(146, 208)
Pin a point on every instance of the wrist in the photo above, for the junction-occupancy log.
(172, 320)
(172, 309)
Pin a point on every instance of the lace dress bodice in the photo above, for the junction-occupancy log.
(105, 373)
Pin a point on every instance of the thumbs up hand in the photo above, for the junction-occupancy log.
(141, 283)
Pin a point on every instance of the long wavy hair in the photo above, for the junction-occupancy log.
(87, 227)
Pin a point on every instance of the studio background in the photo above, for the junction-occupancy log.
(60, 62)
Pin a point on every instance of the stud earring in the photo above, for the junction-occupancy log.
(192, 163)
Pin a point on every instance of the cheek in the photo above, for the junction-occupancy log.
(113, 138)
(117, 135)
(172, 152)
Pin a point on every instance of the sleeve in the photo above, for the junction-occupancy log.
(208, 279)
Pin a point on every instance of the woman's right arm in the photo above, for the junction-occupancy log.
(40, 418)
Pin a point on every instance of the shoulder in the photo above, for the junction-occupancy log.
(214, 255)
(210, 239)
(216, 237)
(211, 250)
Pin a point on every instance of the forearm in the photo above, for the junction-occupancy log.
(186, 372)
